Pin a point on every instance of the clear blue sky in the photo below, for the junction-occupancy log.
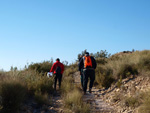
(38, 30)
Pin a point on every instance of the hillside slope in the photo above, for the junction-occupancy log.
(129, 97)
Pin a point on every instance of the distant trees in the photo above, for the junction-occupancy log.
(101, 54)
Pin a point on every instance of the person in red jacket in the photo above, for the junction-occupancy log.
(57, 69)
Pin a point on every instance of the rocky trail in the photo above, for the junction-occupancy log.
(97, 105)
(94, 99)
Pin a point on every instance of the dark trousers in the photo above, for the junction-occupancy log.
(58, 76)
(81, 77)
(88, 73)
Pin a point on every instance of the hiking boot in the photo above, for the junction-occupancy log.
(90, 90)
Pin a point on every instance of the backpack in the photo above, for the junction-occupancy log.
(58, 69)
(87, 62)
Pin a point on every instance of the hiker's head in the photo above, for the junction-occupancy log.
(86, 53)
(57, 59)
(81, 56)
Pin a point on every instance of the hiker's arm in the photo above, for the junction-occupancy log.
(80, 64)
(52, 68)
(94, 63)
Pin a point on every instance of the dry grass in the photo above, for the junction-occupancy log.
(72, 95)
(41, 99)
(145, 106)
(12, 94)
(16, 86)
(73, 101)
(122, 65)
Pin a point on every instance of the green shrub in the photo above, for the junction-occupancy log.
(12, 93)
(126, 70)
(104, 76)
(41, 67)
(101, 61)
(144, 63)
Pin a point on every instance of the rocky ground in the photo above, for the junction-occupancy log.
(130, 87)
(96, 102)
(113, 99)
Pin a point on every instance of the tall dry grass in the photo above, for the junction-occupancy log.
(122, 65)
(17, 86)
(145, 105)
(12, 93)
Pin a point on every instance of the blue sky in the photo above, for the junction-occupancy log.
(38, 30)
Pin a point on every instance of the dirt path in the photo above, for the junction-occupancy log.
(57, 104)
(94, 99)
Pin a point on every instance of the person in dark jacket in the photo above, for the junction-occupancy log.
(88, 67)
(58, 69)
(81, 73)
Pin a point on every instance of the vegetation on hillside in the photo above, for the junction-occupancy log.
(17, 86)
(113, 69)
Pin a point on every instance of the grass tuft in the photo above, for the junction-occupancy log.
(73, 101)
(12, 93)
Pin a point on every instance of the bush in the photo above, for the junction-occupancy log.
(101, 61)
(12, 93)
(42, 83)
(144, 63)
(41, 67)
(126, 70)
(132, 102)
(104, 76)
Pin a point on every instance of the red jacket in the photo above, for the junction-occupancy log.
(57, 63)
